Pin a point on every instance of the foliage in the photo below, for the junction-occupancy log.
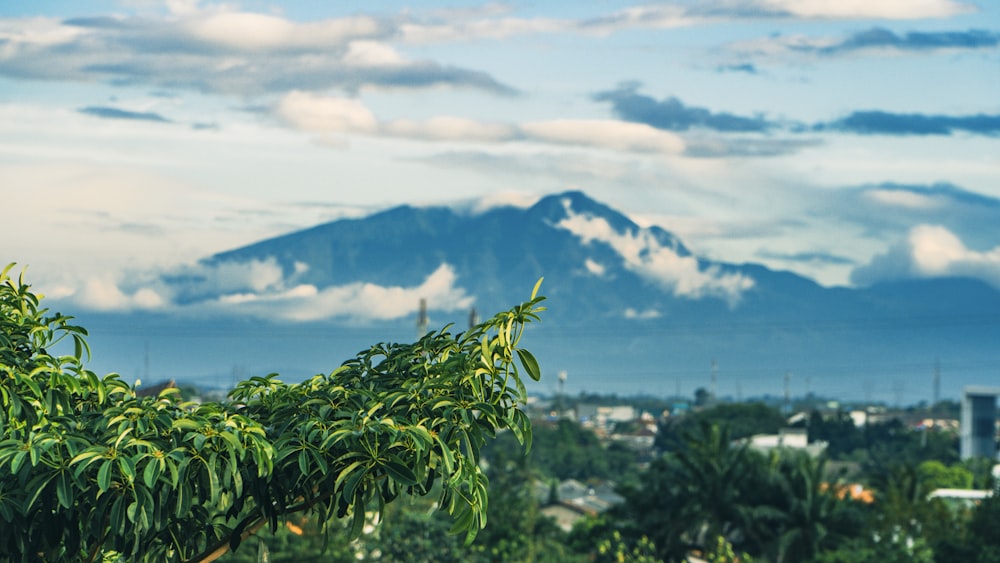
(87, 467)
(935, 475)
(614, 550)
(881, 444)
(692, 496)
(723, 552)
(808, 513)
(299, 540)
(780, 506)
(566, 450)
(739, 419)
(414, 533)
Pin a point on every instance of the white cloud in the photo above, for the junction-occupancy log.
(359, 300)
(479, 29)
(307, 111)
(449, 129)
(631, 313)
(313, 112)
(643, 254)
(259, 288)
(901, 198)
(605, 133)
(248, 31)
(931, 251)
(223, 50)
(865, 9)
(594, 267)
(372, 53)
(104, 294)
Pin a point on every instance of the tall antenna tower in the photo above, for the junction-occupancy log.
(715, 377)
(473, 318)
(422, 321)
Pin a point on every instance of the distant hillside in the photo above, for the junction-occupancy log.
(631, 308)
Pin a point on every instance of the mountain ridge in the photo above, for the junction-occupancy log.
(631, 309)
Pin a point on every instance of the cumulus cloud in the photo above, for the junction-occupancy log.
(643, 254)
(307, 111)
(261, 288)
(895, 208)
(860, 9)
(335, 115)
(104, 294)
(220, 49)
(365, 301)
(495, 22)
(931, 251)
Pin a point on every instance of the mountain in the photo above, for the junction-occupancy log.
(631, 309)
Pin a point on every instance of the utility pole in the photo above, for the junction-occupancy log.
(937, 382)
(559, 397)
(422, 320)
(788, 392)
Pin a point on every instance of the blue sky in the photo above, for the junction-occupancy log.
(849, 141)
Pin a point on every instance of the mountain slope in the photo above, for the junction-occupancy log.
(631, 309)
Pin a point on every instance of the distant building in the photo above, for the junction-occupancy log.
(602, 416)
(979, 422)
(576, 500)
(787, 438)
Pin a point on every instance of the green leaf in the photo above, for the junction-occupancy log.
(152, 472)
(64, 489)
(400, 472)
(104, 475)
(358, 521)
(530, 364)
(127, 467)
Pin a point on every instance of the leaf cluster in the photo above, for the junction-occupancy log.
(88, 468)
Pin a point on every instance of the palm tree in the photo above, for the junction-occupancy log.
(718, 478)
(811, 515)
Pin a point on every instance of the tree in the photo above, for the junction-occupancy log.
(89, 470)
(740, 420)
(689, 498)
(810, 516)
